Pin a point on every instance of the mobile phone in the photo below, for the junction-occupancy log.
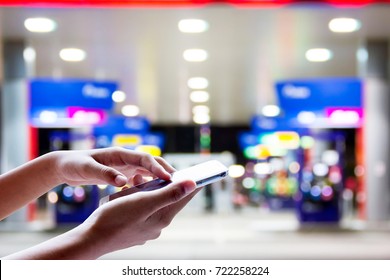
(202, 174)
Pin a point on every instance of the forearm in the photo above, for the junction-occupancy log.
(75, 244)
(26, 183)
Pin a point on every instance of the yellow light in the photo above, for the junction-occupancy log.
(150, 149)
(262, 152)
(123, 140)
(288, 139)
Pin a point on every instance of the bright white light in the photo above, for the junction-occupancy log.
(330, 157)
(263, 168)
(306, 117)
(199, 96)
(41, 25)
(236, 171)
(344, 117)
(271, 110)
(320, 169)
(248, 183)
(201, 109)
(52, 197)
(294, 167)
(195, 55)
(344, 25)
(130, 110)
(193, 25)
(318, 55)
(277, 164)
(72, 54)
(48, 117)
(362, 55)
(29, 54)
(198, 83)
(83, 117)
(201, 118)
(118, 96)
(102, 187)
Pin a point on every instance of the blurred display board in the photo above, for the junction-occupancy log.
(69, 102)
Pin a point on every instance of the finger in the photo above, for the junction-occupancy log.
(137, 179)
(165, 215)
(168, 195)
(158, 167)
(105, 174)
(151, 163)
(165, 164)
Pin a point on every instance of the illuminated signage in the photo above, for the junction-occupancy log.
(69, 102)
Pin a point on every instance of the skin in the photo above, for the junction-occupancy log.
(124, 222)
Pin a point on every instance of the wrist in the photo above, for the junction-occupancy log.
(53, 174)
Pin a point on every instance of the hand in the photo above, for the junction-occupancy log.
(134, 219)
(124, 222)
(114, 166)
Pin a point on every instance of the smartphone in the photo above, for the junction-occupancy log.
(202, 174)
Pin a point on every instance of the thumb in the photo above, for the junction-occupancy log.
(170, 194)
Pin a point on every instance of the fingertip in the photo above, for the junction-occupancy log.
(189, 186)
(120, 180)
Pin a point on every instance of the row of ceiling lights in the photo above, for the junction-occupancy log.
(340, 25)
(337, 25)
(197, 85)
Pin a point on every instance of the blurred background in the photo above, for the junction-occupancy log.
(292, 96)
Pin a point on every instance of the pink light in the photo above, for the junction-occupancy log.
(82, 116)
(345, 116)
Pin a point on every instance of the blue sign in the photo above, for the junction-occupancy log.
(125, 125)
(62, 93)
(319, 94)
(69, 102)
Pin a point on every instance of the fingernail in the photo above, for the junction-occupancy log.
(189, 187)
(120, 180)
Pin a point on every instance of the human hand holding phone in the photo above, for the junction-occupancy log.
(202, 174)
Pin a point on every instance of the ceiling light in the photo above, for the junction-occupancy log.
(118, 96)
(318, 55)
(130, 110)
(41, 25)
(344, 25)
(72, 54)
(193, 25)
(198, 83)
(195, 55)
(199, 96)
(201, 118)
(200, 109)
